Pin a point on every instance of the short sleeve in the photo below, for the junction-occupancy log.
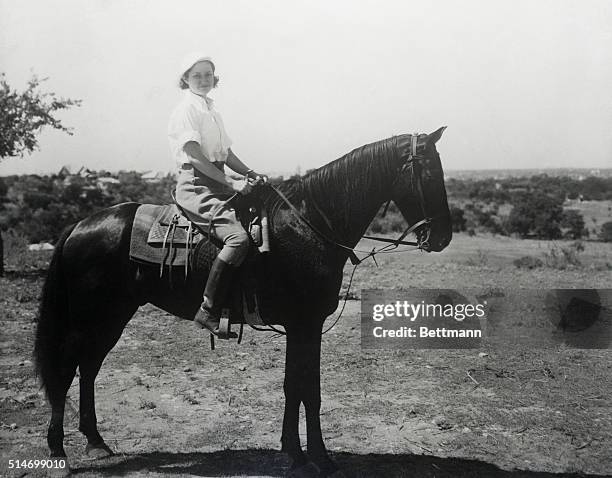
(182, 128)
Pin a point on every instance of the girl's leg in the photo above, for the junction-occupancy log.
(236, 246)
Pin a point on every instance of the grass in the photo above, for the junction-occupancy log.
(483, 261)
(17, 257)
(595, 213)
(500, 251)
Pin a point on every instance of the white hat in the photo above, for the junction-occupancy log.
(190, 60)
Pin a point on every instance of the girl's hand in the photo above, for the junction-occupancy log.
(243, 187)
(256, 178)
(247, 188)
(260, 179)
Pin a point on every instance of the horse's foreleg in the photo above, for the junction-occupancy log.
(311, 397)
(303, 381)
(290, 438)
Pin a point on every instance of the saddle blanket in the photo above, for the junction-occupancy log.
(158, 239)
(161, 235)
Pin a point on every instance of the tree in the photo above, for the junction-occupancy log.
(457, 218)
(25, 114)
(574, 223)
(538, 214)
(22, 117)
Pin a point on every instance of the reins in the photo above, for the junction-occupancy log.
(420, 244)
(397, 242)
(387, 249)
(392, 244)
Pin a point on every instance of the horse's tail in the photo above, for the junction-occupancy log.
(53, 320)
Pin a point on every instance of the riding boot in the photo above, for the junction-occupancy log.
(217, 288)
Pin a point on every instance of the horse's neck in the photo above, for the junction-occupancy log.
(350, 196)
(352, 223)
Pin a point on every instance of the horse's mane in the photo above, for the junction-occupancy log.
(365, 169)
(360, 176)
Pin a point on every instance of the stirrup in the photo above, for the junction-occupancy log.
(219, 328)
(224, 329)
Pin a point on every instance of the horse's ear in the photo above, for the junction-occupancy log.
(435, 136)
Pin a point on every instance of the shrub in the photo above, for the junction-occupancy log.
(387, 224)
(563, 257)
(392, 222)
(606, 232)
(480, 260)
(528, 262)
(17, 255)
(457, 218)
(578, 246)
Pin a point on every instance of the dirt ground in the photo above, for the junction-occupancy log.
(168, 405)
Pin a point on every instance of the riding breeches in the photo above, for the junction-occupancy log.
(204, 201)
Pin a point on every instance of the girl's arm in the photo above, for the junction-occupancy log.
(202, 164)
(238, 166)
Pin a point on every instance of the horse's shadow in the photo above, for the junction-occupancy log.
(266, 462)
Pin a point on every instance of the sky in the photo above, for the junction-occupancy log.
(520, 83)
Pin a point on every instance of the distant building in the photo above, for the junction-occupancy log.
(107, 180)
(67, 175)
(102, 183)
(64, 172)
(153, 176)
(85, 172)
(43, 246)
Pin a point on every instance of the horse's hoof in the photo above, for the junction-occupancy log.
(309, 470)
(97, 452)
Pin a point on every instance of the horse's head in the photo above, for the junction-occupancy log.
(419, 190)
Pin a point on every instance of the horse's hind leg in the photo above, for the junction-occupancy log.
(56, 392)
(96, 448)
(89, 366)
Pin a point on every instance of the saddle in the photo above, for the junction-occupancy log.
(163, 236)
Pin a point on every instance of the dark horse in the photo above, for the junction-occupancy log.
(93, 289)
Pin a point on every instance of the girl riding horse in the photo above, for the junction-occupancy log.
(201, 148)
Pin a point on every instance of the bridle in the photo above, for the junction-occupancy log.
(412, 159)
(422, 241)
(408, 165)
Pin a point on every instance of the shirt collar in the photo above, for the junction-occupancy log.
(207, 102)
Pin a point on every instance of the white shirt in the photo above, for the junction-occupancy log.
(195, 119)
